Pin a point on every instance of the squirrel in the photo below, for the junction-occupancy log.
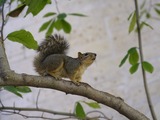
(53, 61)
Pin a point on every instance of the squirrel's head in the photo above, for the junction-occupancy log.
(86, 58)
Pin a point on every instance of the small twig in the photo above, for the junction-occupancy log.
(17, 110)
(37, 110)
(9, 9)
(37, 98)
(141, 60)
(96, 111)
(47, 118)
(3, 21)
(1, 103)
(56, 3)
(42, 117)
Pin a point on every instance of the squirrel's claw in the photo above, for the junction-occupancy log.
(76, 83)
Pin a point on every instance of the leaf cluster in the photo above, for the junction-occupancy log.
(33, 6)
(133, 58)
(155, 7)
(58, 22)
(132, 25)
(145, 14)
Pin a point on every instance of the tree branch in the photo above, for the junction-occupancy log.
(3, 20)
(10, 78)
(4, 65)
(14, 79)
(36, 109)
(30, 116)
(56, 3)
(17, 110)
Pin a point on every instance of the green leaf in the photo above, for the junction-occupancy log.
(157, 11)
(79, 111)
(62, 16)
(66, 26)
(132, 50)
(12, 89)
(92, 104)
(146, 24)
(58, 25)
(62, 24)
(142, 24)
(132, 23)
(130, 16)
(49, 1)
(35, 6)
(147, 66)
(49, 14)
(133, 57)
(50, 29)
(134, 68)
(2, 2)
(45, 25)
(123, 60)
(23, 37)
(77, 14)
(28, 1)
(16, 11)
(23, 89)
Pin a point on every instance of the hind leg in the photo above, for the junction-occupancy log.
(57, 71)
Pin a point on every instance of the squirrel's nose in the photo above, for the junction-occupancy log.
(95, 54)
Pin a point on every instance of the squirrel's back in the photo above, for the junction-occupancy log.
(54, 44)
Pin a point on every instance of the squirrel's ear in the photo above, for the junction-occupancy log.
(79, 54)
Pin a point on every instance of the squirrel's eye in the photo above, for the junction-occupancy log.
(86, 54)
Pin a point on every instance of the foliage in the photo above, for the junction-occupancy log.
(17, 90)
(2, 2)
(133, 22)
(147, 66)
(133, 58)
(145, 14)
(58, 22)
(24, 37)
(94, 105)
(79, 110)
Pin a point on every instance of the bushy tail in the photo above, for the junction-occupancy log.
(55, 44)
